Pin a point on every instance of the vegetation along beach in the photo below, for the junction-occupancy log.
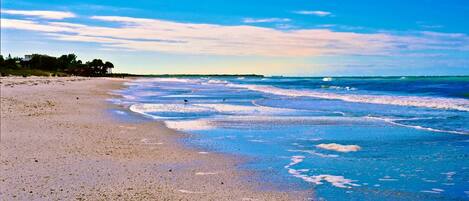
(234, 100)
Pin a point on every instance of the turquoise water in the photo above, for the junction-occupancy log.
(373, 138)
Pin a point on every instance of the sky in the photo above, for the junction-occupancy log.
(275, 37)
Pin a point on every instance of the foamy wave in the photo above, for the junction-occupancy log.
(244, 109)
(393, 121)
(339, 87)
(428, 102)
(314, 153)
(337, 181)
(217, 82)
(144, 108)
(339, 147)
(189, 125)
(295, 160)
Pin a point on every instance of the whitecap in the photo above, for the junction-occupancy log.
(430, 191)
(339, 147)
(245, 109)
(393, 121)
(415, 101)
(217, 82)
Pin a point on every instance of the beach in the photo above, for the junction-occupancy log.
(59, 141)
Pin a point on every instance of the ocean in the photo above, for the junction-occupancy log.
(347, 138)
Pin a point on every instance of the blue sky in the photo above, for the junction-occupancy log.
(280, 37)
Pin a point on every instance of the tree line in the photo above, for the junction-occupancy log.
(68, 64)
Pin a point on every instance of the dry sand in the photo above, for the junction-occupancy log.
(58, 142)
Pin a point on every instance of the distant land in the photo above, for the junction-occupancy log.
(70, 65)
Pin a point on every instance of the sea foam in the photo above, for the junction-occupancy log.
(394, 122)
(339, 147)
(189, 125)
(145, 108)
(334, 180)
(415, 101)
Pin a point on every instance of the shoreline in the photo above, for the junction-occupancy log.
(58, 140)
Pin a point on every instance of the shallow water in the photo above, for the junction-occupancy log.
(394, 138)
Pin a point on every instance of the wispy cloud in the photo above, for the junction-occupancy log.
(313, 12)
(46, 14)
(429, 26)
(265, 20)
(143, 34)
(284, 26)
(97, 7)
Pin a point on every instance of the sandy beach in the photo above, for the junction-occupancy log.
(60, 142)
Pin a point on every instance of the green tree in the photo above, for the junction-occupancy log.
(44, 62)
(12, 62)
(67, 61)
(108, 65)
(96, 66)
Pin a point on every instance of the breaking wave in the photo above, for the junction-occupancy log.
(394, 122)
(415, 101)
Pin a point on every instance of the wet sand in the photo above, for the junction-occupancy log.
(60, 142)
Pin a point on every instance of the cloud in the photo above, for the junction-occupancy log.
(143, 34)
(426, 25)
(34, 26)
(431, 26)
(285, 26)
(315, 12)
(265, 20)
(54, 15)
